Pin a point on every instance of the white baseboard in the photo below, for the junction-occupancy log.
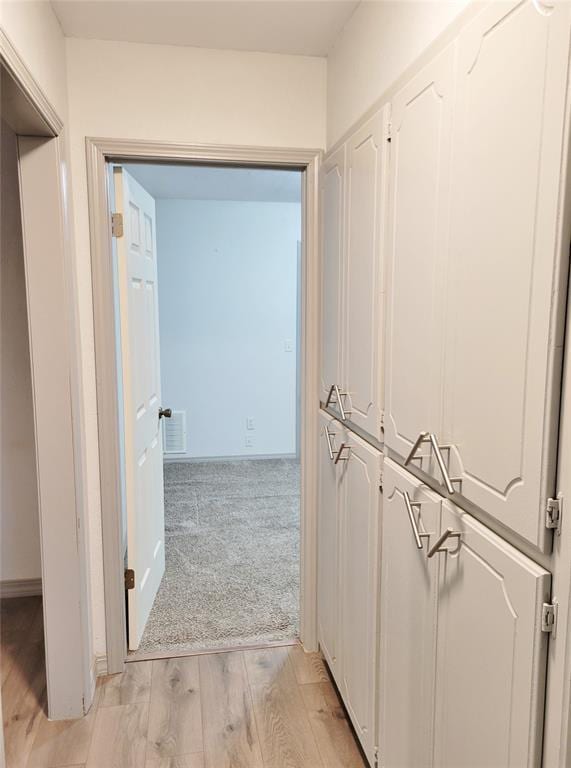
(100, 664)
(20, 587)
(172, 459)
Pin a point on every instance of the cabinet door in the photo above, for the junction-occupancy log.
(416, 250)
(332, 223)
(330, 439)
(361, 499)
(491, 651)
(362, 363)
(408, 622)
(504, 327)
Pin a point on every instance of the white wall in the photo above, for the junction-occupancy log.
(170, 93)
(380, 40)
(19, 515)
(227, 305)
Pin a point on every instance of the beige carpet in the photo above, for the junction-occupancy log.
(232, 556)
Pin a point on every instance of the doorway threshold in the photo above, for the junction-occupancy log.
(153, 655)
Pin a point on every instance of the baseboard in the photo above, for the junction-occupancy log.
(100, 664)
(252, 457)
(20, 588)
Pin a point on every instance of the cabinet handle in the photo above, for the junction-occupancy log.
(334, 390)
(449, 533)
(340, 457)
(329, 436)
(418, 536)
(430, 437)
(441, 464)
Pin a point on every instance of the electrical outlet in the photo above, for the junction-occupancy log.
(250, 423)
(288, 345)
(249, 441)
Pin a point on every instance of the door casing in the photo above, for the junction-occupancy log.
(99, 153)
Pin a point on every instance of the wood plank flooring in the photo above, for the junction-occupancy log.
(265, 708)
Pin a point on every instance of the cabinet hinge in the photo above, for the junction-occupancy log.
(117, 224)
(389, 132)
(381, 480)
(129, 578)
(376, 757)
(549, 617)
(553, 512)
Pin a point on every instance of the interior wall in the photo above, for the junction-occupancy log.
(380, 40)
(228, 323)
(172, 93)
(19, 514)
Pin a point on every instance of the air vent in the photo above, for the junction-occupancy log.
(174, 433)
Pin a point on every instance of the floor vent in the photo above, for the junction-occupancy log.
(174, 433)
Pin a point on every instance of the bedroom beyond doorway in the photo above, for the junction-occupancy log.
(217, 254)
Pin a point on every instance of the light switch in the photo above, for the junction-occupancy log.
(288, 345)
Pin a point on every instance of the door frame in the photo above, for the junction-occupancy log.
(55, 361)
(100, 152)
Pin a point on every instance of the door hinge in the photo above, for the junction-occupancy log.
(117, 224)
(376, 757)
(549, 617)
(381, 481)
(553, 513)
(129, 578)
(389, 132)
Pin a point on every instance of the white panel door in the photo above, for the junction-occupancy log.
(416, 250)
(491, 651)
(364, 279)
(360, 511)
(137, 269)
(331, 436)
(408, 621)
(332, 223)
(504, 327)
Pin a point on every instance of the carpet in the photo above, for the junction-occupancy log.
(232, 556)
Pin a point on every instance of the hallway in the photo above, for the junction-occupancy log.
(271, 708)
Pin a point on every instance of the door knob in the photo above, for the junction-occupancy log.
(166, 412)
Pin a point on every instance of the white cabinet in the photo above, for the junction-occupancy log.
(359, 587)
(331, 435)
(332, 232)
(352, 205)
(348, 573)
(477, 268)
(462, 653)
(492, 653)
(408, 619)
(504, 329)
(416, 249)
(364, 285)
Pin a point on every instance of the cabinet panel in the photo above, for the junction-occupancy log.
(361, 499)
(362, 363)
(491, 651)
(416, 249)
(328, 542)
(332, 223)
(408, 622)
(503, 351)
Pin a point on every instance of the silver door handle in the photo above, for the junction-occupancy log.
(340, 457)
(449, 533)
(328, 436)
(334, 390)
(418, 536)
(441, 464)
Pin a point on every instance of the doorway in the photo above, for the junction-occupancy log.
(101, 154)
(207, 283)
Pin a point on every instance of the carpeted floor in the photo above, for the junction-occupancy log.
(232, 556)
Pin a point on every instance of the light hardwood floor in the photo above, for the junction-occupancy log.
(269, 708)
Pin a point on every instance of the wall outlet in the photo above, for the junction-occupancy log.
(249, 441)
(288, 345)
(250, 423)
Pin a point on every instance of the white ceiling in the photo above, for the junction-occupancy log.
(276, 26)
(186, 182)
